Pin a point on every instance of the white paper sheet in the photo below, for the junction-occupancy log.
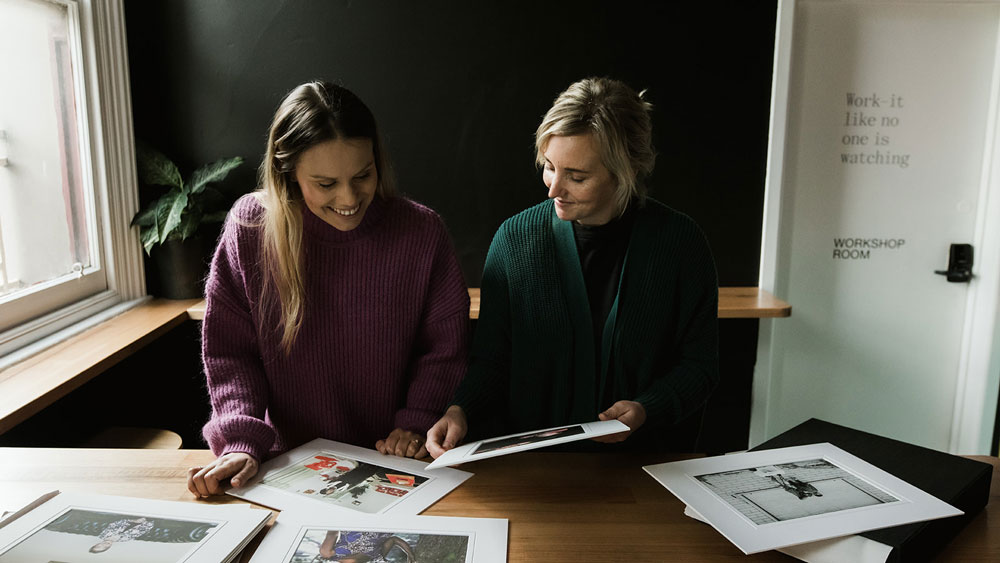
(348, 478)
(300, 536)
(514, 443)
(84, 527)
(788, 496)
(856, 548)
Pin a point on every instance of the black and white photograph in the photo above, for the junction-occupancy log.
(349, 478)
(77, 527)
(775, 493)
(316, 535)
(775, 498)
(523, 441)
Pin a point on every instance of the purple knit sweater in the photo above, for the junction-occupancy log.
(382, 343)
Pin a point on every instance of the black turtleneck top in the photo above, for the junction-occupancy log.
(602, 254)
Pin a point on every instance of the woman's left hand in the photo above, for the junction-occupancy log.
(402, 443)
(631, 413)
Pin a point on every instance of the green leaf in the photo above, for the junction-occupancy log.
(163, 206)
(212, 172)
(173, 220)
(189, 224)
(145, 218)
(149, 237)
(156, 169)
(168, 210)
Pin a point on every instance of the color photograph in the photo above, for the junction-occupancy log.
(313, 534)
(86, 535)
(379, 547)
(345, 477)
(342, 481)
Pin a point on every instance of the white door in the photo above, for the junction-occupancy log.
(881, 157)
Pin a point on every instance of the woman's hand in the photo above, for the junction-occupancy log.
(447, 432)
(631, 413)
(402, 443)
(238, 467)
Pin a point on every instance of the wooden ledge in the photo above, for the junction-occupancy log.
(734, 303)
(750, 303)
(29, 386)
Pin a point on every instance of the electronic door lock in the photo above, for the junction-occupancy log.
(959, 264)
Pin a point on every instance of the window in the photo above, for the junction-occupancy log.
(67, 187)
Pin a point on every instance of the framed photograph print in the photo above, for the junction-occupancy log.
(349, 478)
(524, 441)
(775, 498)
(80, 527)
(319, 535)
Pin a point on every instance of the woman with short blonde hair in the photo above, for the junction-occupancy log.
(597, 304)
(619, 121)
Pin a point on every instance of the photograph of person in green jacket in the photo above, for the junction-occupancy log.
(599, 303)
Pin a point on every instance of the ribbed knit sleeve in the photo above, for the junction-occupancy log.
(487, 380)
(441, 344)
(685, 386)
(231, 356)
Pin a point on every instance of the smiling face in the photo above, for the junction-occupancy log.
(578, 181)
(338, 180)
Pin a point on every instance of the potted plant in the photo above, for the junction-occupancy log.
(169, 227)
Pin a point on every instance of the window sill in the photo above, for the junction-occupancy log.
(35, 383)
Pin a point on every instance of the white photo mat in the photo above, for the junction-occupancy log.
(348, 478)
(523, 441)
(68, 526)
(297, 536)
(854, 548)
(788, 496)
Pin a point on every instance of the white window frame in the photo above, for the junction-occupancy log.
(108, 161)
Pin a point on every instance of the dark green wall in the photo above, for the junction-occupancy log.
(458, 88)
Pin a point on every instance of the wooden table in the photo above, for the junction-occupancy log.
(561, 506)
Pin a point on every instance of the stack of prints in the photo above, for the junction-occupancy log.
(82, 527)
(343, 503)
(792, 496)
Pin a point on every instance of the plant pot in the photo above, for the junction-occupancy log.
(180, 268)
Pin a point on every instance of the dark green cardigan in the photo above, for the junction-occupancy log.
(532, 362)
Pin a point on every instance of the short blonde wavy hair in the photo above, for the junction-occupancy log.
(619, 120)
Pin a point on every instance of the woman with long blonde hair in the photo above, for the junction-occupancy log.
(334, 308)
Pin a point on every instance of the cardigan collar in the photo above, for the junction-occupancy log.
(588, 382)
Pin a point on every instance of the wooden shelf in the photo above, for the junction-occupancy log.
(734, 303)
(750, 303)
(29, 386)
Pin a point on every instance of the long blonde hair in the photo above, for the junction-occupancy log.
(310, 114)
